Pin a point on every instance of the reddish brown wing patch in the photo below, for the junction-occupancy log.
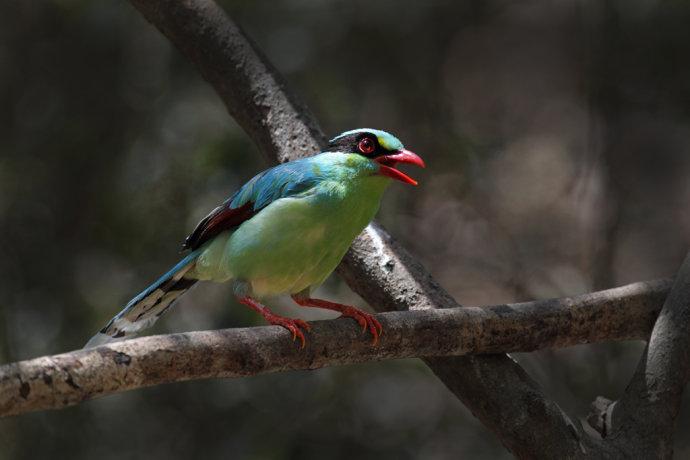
(221, 219)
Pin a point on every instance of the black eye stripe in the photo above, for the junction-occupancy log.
(351, 144)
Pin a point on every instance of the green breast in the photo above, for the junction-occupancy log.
(294, 243)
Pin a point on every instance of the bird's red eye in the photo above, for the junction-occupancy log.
(366, 145)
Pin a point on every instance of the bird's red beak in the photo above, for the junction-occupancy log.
(388, 162)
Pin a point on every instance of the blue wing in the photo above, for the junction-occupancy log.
(287, 179)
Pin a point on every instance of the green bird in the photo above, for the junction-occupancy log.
(283, 232)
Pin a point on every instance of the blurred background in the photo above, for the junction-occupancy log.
(557, 136)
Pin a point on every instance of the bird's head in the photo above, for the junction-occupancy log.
(380, 147)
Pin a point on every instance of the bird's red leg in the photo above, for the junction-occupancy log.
(292, 325)
(366, 320)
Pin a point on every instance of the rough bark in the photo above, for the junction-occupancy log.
(58, 381)
(641, 423)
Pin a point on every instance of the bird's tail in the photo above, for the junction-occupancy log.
(143, 310)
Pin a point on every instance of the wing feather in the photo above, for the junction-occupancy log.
(285, 180)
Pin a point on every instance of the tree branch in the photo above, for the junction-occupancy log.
(58, 381)
(641, 423)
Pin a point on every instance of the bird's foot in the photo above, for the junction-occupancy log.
(293, 325)
(366, 320)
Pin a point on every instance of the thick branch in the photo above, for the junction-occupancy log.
(62, 380)
(643, 419)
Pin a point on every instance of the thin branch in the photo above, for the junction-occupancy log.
(257, 98)
(53, 382)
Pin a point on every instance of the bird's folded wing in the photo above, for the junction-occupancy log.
(285, 180)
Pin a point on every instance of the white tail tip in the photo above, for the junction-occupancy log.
(98, 340)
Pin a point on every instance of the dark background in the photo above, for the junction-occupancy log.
(557, 139)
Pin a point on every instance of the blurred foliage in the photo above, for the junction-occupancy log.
(558, 145)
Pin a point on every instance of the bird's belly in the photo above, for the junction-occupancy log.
(289, 246)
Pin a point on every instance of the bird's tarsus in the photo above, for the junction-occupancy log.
(295, 326)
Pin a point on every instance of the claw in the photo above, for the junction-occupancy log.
(292, 325)
(352, 313)
(365, 320)
(371, 321)
(377, 324)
